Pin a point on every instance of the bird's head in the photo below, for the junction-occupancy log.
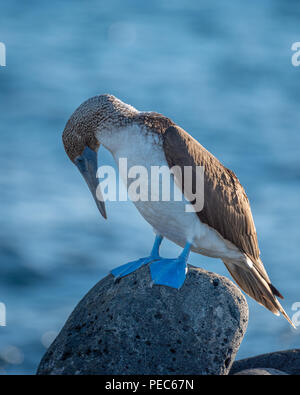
(81, 143)
(93, 120)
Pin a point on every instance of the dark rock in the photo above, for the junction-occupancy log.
(129, 327)
(261, 372)
(286, 361)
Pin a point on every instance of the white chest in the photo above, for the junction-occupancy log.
(158, 199)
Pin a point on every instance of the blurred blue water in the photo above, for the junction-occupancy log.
(221, 70)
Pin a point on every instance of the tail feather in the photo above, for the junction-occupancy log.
(275, 291)
(256, 286)
(262, 271)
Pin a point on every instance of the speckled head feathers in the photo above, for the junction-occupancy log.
(103, 111)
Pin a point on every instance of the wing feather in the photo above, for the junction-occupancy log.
(226, 206)
(226, 209)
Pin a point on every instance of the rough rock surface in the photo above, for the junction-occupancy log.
(129, 327)
(261, 372)
(285, 361)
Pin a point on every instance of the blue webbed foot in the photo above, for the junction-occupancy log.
(170, 272)
(130, 267)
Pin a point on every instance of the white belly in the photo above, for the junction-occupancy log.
(169, 218)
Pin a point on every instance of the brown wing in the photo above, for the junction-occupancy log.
(226, 209)
(226, 206)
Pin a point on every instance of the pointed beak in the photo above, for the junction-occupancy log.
(87, 164)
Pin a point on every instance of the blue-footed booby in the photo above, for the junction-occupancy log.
(224, 228)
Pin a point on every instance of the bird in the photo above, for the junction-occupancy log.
(224, 227)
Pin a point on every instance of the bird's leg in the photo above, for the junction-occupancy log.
(130, 267)
(171, 272)
(156, 247)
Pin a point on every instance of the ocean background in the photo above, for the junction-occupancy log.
(221, 70)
